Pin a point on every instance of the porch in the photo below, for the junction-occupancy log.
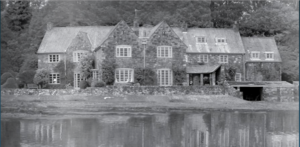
(203, 74)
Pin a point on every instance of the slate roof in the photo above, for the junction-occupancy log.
(234, 43)
(262, 45)
(58, 39)
(202, 68)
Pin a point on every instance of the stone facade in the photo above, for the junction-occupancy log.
(234, 60)
(43, 61)
(278, 94)
(261, 71)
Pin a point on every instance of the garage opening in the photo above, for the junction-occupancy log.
(252, 93)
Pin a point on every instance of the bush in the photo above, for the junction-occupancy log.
(10, 83)
(41, 77)
(27, 76)
(98, 84)
(5, 76)
(83, 84)
(30, 63)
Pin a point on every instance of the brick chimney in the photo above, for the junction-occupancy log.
(184, 27)
(235, 26)
(136, 23)
(49, 26)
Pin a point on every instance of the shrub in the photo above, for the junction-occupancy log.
(30, 63)
(98, 84)
(86, 64)
(41, 77)
(5, 76)
(27, 76)
(83, 84)
(10, 83)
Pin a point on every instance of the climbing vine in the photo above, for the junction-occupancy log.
(66, 72)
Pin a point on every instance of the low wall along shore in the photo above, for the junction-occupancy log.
(125, 90)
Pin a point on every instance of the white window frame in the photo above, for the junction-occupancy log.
(53, 58)
(123, 51)
(203, 58)
(255, 55)
(120, 75)
(202, 38)
(238, 77)
(95, 74)
(164, 52)
(77, 55)
(221, 58)
(269, 53)
(186, 58)
(221, 40)
(165, 77)
(54, 78)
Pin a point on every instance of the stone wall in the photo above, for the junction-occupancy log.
(119, 91)
(263, 71)
(296, 90)
(234, 60)
(43, 61)
(281, 94)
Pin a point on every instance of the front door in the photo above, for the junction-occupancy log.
(194, 79)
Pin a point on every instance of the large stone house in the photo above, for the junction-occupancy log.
(205, 56)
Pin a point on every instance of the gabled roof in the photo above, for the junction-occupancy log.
(233, 40)
(261, 45)
(58, 39)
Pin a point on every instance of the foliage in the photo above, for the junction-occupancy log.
(5, 76)
(66, 75)
(18, 15)
(83, 84)
(179, 76)
(98, 84)
(86, 64)
(108, 71)
(10, 83)
(30, 63)
(41, 77)
(230, 73)
(27, 76)
(144, 76)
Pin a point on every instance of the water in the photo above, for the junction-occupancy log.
(201, 129)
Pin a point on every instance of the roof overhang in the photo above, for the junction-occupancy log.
(260, 84)
(202, 69)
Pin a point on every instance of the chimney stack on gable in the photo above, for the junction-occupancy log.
(235, 26)
(136, 23)
(184, 27)
(49, 26)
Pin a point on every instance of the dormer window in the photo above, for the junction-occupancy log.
(255, 55)
(220, 40)
(123, 51)
(269, 56)
(201, 39)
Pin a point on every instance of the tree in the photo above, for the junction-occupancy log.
(18, 15)
(41, 77)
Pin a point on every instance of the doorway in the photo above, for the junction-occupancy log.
(252, 93)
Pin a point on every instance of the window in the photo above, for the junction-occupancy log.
(95, 74)
(164, 77)
(254, 55)
(269, 56)
(223, 59)
(164, 51)
(124, 75)
(123, 51)
(54, 78)
(77, 55)
(186, 58)
(238, 77)
(53, 58)
(220, 40)
(203, 58)
(201, 39)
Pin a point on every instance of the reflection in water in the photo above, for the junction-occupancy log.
(204, 129)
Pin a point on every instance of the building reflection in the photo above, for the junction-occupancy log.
(205, 129)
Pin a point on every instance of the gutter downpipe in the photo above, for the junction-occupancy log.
(244, 67)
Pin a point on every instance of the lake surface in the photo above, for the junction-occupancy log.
(198, 129)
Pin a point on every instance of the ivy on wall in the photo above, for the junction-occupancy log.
(179, 75)
(230, 73)
(108, 71)
(67, 75)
